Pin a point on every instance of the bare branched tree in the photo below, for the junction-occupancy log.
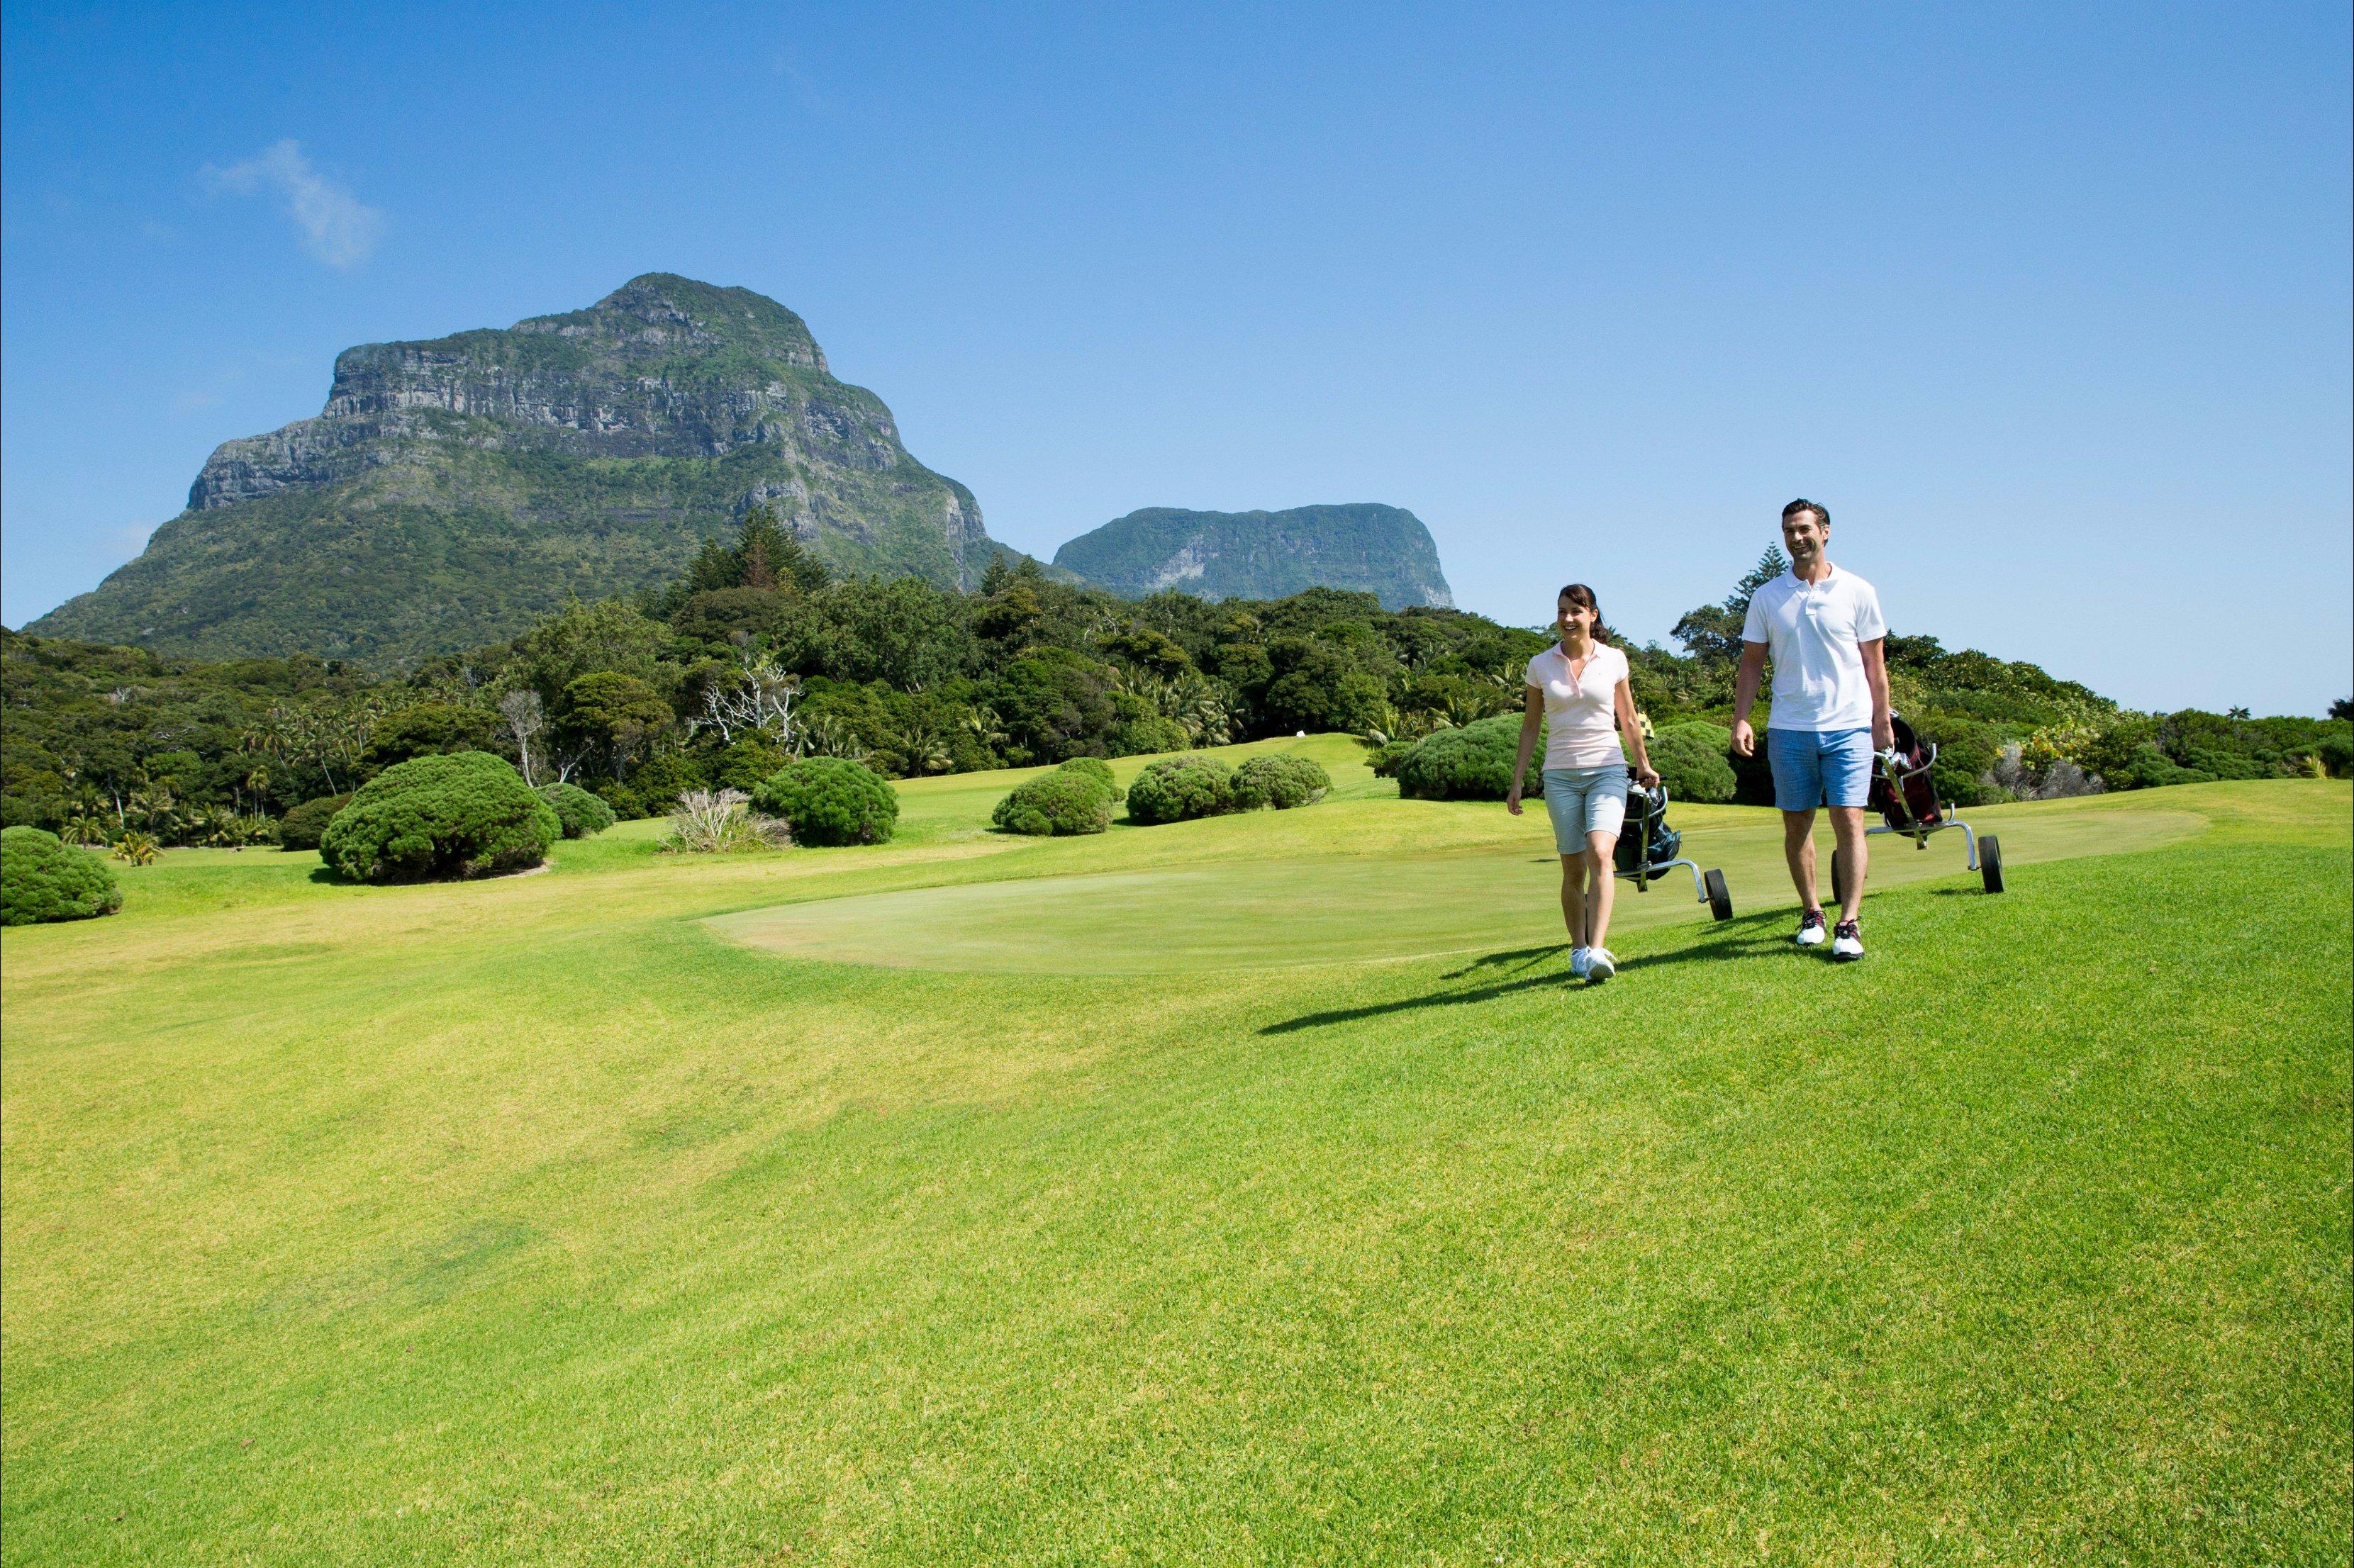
(760, 697)
(525, 719)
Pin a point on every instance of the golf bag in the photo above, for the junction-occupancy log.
(1902, 791)
(1646, 840)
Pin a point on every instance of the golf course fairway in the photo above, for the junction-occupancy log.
(1252, 1190)
(1262, 913)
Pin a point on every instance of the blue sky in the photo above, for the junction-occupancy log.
(2050, 305)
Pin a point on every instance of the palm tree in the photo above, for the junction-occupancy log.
(983, 723)
(256, 779)
(916, 747)
(83, 828)
(138, 848)
(1203, 709)
(826, 736)
(153, 803)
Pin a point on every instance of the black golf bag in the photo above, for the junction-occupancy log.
(1646, 840)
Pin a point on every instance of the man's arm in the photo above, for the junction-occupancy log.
(1744, 693)
(1875, 675)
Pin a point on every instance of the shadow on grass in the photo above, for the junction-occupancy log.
(328, 876)
(1410, 1004)
(1518, 958)
(1747, 938)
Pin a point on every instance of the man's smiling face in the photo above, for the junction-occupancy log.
(1803, 534)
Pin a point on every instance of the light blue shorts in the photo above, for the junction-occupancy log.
(1819, 767)
(1582, 801)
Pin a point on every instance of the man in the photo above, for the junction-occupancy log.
(1823, 627)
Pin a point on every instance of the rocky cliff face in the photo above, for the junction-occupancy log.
(470, 482)
(1363, 548)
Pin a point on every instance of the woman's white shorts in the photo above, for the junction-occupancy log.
(1582, 801)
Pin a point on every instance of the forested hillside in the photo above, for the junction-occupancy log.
(761, 651)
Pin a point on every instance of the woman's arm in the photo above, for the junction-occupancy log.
(1531, 716)
(1630, 728)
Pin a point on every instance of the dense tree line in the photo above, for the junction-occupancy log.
(760, 654)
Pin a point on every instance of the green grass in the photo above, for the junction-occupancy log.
(543, 1220)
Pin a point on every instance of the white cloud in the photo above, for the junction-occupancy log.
(211, 391)
(336, 226)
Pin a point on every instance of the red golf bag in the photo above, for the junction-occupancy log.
(1902, 791)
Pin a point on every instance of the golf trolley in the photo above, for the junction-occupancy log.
(1905, 793)
(1649, 848)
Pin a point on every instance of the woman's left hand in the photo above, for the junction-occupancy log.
(1648, 776)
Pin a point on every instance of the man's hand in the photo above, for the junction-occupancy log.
(1884, 732)
(1648, 776)
(1745, 740)
(1512, 801)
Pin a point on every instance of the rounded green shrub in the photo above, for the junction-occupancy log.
(583, 814)
(43, 878)
(1967, 750)
(1383, 760)
(831, 800)
(1280, 781)
(1151, 733)
(1068, 801)
(306, 824)
(653, 785)
(1473, 763)
(1715, 737)
(1691, 761)
(1096, 767)
(2148, 767)
(1176, 789)
(468, 813)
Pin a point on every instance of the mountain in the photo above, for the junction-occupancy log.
(1364, 547)
(455, 490)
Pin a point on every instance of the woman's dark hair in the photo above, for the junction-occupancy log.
(1583, 597)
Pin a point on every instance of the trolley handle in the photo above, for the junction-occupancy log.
(1891, 763)
(1635, 786)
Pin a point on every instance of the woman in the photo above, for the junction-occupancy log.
(1578, 688)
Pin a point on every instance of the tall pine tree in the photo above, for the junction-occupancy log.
(1713, 630)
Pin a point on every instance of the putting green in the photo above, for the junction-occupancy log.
(1276, 913)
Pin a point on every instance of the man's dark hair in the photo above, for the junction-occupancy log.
(1822, 514)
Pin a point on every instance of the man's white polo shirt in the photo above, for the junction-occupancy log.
(1816, 632)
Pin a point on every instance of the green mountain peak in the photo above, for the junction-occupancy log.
(1364, 547)
(454, 489)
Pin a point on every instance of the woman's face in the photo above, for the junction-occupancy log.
(1567, 615)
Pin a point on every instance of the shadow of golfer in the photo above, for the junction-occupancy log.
(1518, 958)
(1409, 1004)
(1749, 937)
(1743, 937)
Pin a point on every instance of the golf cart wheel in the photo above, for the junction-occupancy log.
(1990, 863)
(1719, 902)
